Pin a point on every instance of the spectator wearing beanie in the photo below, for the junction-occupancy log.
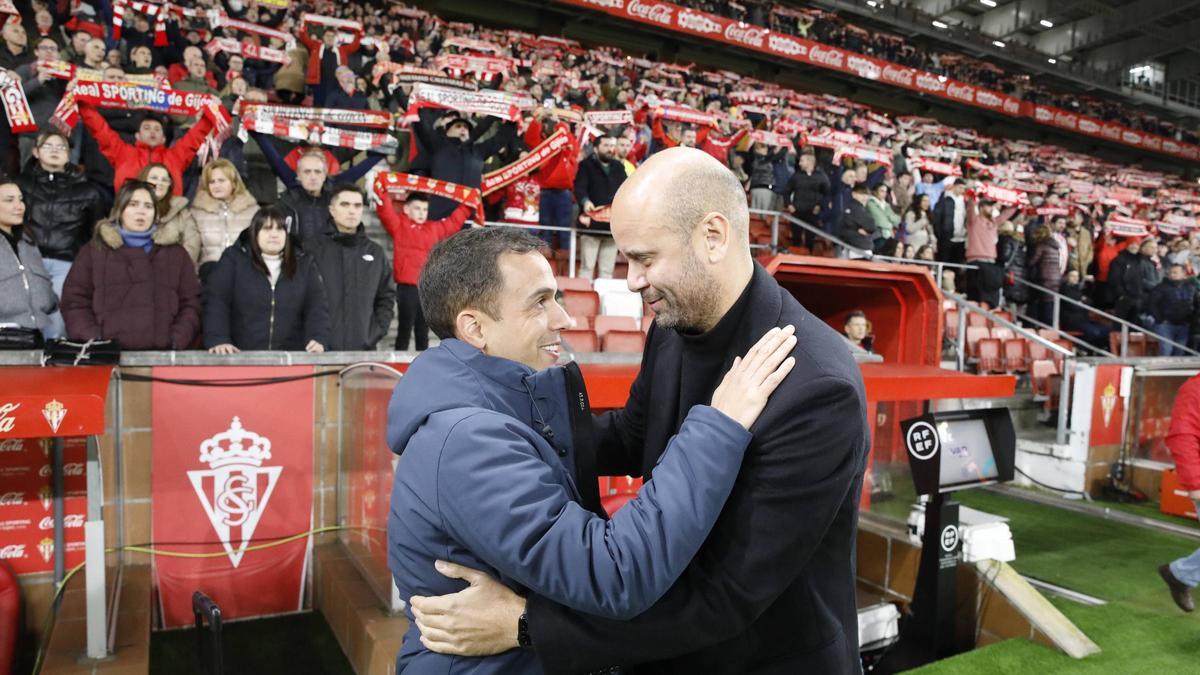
(457, 153)
(133, 283)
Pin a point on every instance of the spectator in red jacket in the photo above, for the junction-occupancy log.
(324, 58)
(556, 177)
(1183, 440)
(413, 235)
(149, 146)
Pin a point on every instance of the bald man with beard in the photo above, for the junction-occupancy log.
(772, 588)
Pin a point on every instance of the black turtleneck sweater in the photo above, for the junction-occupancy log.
(706, 357)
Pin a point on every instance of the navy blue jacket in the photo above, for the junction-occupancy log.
(480, 485)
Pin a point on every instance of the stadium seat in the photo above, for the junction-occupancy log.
(1037, 351)
(974, 319)
(990, 360)
(1003, 333)
(974, 335)
(621, 303)
(581, 303)
(1016, 355)
(951, 324)
(574, 284)
(603, 286)
(1040, 375)
(1048, 333)
(624, 341)
(605, 323)
(1005, 314)
(582, 341)
(581, 322)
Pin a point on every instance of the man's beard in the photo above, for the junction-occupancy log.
(693, 305)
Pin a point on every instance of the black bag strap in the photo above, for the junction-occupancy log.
(584, 440)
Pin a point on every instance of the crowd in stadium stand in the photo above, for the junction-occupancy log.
(171, 231)
(831, 29)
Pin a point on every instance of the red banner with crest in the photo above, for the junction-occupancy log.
(232, 470)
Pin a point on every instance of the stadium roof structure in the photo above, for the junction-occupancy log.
(1091, 45)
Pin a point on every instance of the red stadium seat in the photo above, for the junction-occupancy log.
(581, 303)
(1038, 351)
(974, 335)
(974, 319)
(573, 283)
(1040, 375)
(1048, 333)
(603, 324)
(1003, 333)
(1005, 314)
(581, 322)
(1016, 355)
(624, 341)
(989, 356)
(583, 341)
(951, 324)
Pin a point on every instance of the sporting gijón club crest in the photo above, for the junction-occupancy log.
(236, 488)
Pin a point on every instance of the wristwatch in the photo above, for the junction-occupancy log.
(523, 637)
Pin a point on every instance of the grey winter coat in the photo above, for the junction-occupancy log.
(26, 295)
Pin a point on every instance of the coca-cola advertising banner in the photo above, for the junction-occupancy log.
(27, 503)
(232, 468)
(748, 36)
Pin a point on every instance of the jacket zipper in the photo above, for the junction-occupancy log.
(271, 324)
(28, 291)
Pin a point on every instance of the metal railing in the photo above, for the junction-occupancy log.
(1067, 355)
(1126, 326)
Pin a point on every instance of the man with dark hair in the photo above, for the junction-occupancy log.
(856, 329)
(599, 177)
(858, 227)
(772, 588)
(1171, 306)
(149, 146)
(357, 280)
(413, 235)
(492, 436)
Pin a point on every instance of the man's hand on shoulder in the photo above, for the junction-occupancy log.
(480, 620)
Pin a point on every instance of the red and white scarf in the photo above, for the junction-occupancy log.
(247, 49)
(544, 152)
(493, 103)
(151, 10)
(400, 185)
(16, 105)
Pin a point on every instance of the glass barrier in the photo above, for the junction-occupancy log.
(888, 487)
(365, 471)
(1152, 398)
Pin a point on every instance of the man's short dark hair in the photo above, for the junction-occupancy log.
(860, 188)
(463, 272)
(854, 315)
(345, 187)
(152, 117)
(416, 197)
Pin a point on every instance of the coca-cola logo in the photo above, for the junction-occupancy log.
(1042, 114)
(1170, 146)
(782, 44)
(1089, 126)
(863, 67)
(44, 471)
(898, 75)
(985, 97)
(71, 520)
(930, 82)
(12, 445)
(747, 35)
(962, 92)
(12, 552)
(73, 469)
(829, 57)
(12, 498)
(7, 422)
(1131, 137)
(698, 23)
(1011, 106)
(656, 11)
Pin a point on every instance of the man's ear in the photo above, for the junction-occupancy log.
(469, 329)
(717, 234)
